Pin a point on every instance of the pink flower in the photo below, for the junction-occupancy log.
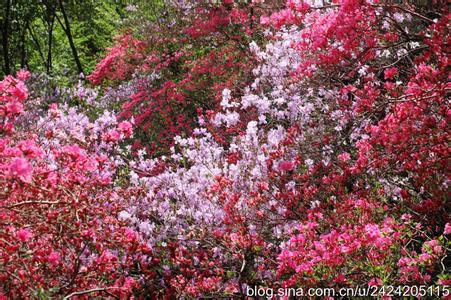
(53, 110)
(24, 235)
(390, 72)
(375, 282)
(21, 168)
(74, 151)
(344, 157)
(286, 166)
(404, 261)
(126, 128)
(54, 258)
(372, 231)
(447, 229)
(424, 257)
(112, 136)
(130, 234)
(129, 283)
(264, 20)
(14, 108)
(18, 89)
(23, 74)
(389, 85)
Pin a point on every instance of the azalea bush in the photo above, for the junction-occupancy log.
(178, 67)
(57, 208)
(263, 144)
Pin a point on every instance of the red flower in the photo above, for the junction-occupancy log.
(24, 235)
(390, 72)
(286, 166)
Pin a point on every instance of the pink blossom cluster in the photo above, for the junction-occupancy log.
(328, 167)
(13, 93)
(59, 227)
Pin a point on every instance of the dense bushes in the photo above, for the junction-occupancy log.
(295, 146)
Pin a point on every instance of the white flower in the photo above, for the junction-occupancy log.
(251, 128)
(363, 70)
(398, 17)
(123, 215)
(275, 136)
(226, 96)
(309, 162)
(232, 118)
(254, 47)
(146, 227)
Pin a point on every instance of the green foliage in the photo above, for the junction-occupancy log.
(35, 27)
(94, 30)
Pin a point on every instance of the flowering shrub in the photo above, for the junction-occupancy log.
(59, 226)
(179, 66)
(327, 166)
(120, 61)
(13, 93)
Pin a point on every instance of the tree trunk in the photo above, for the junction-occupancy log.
(5, 41)
(23, 52)
(38, 46)
(67, 30)
(49, 40)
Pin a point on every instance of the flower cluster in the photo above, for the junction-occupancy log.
(12, 94)
(301, 147)
(179, 67)
(59, 228)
